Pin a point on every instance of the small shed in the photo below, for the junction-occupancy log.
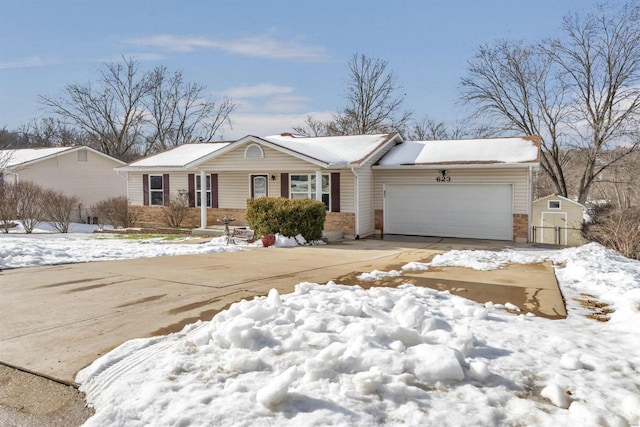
(557, 220)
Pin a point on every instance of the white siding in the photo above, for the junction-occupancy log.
(366, 192)
(90, 181)
(273, 160)
(516, 177)
(134, 188)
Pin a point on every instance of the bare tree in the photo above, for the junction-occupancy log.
(51, 132)
(127, 112)
(600, 65)
(580, 92)
(60, 209)
(109, 110)
(29, 198)
(181, 113)
(8, 206)
(513, 85)
(374, 103)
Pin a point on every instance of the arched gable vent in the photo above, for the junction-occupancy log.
(253, 151)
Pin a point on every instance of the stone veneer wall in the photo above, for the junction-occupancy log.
(520, 225)
(153, 216)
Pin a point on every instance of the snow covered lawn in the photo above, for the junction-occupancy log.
(44, 247)
(341, 355)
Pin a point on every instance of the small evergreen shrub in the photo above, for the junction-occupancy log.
(289, 217)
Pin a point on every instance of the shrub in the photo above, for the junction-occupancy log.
(176, 209)
(618, 230)
(8, 207)
(289, 217)
(59, 209)
(29, 198)
(114, 211)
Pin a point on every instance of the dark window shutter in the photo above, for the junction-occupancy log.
(145, 189)
(165, 188)
(191, 183)
(214, 190)
(284, 185)
(335, 192)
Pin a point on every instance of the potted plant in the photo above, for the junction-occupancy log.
(268, 240)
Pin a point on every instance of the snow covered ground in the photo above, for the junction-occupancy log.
(340, 355)
(44, 247)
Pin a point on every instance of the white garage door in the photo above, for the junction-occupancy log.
(449, 210)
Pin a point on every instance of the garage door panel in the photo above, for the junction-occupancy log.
(473, 211)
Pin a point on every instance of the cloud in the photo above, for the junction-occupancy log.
(255, 91)
(263, 124)
(286, 103)
(258, 46)
(30, 62)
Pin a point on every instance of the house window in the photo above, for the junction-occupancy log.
(554, 204)
(199, 190)
(82, 155)
(254, 151)
(156, 190)
(304, 186)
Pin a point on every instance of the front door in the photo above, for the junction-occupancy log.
(259, 187)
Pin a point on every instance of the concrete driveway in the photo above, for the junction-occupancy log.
(58, 319)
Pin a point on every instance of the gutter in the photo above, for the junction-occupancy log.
(357, 225)
(457, 166)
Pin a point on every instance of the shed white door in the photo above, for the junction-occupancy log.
(450, 210)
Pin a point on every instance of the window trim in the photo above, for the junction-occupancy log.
(251, 147)
(549, 202)
(156, 190)
(197, 191)
(311, 193)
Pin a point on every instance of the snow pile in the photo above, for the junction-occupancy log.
(290, 242)
(342, 355)
(24, 250)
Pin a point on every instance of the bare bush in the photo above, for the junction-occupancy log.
(114, 211)
(8, 206)
(29, 198)
(618, 230)
(60, 209)
(176, 209)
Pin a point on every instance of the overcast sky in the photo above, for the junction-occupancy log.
(280, 60)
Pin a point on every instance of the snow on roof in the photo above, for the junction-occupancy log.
(25, 155)
(495, 150)
(333, 150)
(181, 155)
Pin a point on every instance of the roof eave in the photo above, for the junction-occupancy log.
(459, 166)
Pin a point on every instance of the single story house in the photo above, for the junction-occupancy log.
(76, 171)
(558, 220)
(369, 183)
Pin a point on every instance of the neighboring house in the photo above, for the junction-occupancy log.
(558, 220)
(76, 171)
(370, 183)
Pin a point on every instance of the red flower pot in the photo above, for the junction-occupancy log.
(268, 240)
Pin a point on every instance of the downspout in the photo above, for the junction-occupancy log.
(357, 225)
